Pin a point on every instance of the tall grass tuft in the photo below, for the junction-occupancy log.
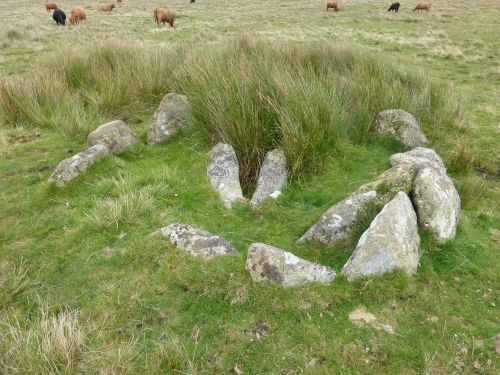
(304, 98)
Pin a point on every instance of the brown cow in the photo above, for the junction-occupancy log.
(164, 15)
(334, 6)
(119, 1)
(423, 6)
(105, 7)
(50, 6)
(77, 15)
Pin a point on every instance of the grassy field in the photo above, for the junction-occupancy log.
(84, 289)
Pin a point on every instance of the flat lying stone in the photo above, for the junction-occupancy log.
(196, 241)
(268, 263)
(401, 125)
(71, 167)
(438, 203)
(417, 159)
(224, 173)
(115, 135)
(337, 223)
(272, 177)
(173, 114)
(391, 242)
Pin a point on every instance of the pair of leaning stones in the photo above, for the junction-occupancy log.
(173, 114)
(417, 179)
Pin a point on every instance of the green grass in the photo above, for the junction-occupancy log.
(84, 288)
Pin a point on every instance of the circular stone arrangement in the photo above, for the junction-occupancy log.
(415, 193)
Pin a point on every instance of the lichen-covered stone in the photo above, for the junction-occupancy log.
(437, 202)
(417, 159)
(268, 263)
(224, 173)
(174, 113)
(391, 242)
(272, 177)
(115, 135)
(336, 224)
(196, 241)
(401, 125)
(71, 167)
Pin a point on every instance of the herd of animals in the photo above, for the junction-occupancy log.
(165, 15)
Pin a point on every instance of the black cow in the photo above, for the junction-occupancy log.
(59, 17)
(192, 1)
(394, 7)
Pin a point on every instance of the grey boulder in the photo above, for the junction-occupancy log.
(115, 135)
(337, 223)
(438, 203)
(174, 113)
(268, 263)
(224, 173)
(401, 125)
(417, 159)
(272, 177)
(391, 242)
(71, 167)
(196, 241)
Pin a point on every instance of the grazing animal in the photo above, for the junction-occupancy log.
(105, 7)
(77, 15)
(59, 16)
(164, 15)
(333, 5)
(119, 1)
(192, 1)
(423, 6)
(394, 7)
(50, 6)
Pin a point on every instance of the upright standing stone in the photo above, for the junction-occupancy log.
(71, 167)
(224, 173)
(115, 135)
(173, 114)
(272, 177)
(196, 241)
(438, 203)
(401, 125)
(268, 263)
(391, 242)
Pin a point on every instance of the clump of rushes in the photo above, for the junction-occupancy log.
(307, 99)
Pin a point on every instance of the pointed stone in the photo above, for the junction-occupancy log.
(224, 173)
(391, 242)
(268, 263)
(272, 177)
(173, 114)
(196, 241)
(70, 168)
(438, 204)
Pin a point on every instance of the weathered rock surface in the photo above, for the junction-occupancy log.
(272, 177)
(391, 242)
(268, 263)
(173, 114)
(197, 242)
(115, 135)
(401, 125)
(417, 159)
(71, 167)
(336, 224)
(437, 203)
(224, 173)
